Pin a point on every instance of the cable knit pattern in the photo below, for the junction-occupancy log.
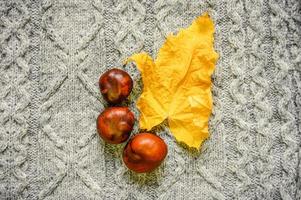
(53, 52)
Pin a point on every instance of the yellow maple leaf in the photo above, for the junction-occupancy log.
(177, 85)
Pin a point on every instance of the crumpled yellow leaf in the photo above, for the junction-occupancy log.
(177, 85)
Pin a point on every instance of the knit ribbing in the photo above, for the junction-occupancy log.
(53, 52)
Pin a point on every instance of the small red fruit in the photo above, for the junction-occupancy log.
(144, 152)
(115, 85)
(114, 124)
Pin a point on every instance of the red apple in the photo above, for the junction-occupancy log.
(144, 152)
(115, 85)
(114, 124)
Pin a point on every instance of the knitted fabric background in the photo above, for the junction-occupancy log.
(53, 52)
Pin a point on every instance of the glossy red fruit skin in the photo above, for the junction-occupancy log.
(144, 152)
(114, 124)
(115, 85)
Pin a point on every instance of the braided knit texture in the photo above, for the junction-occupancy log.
(52, 53)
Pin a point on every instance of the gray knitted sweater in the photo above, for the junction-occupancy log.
(52, 53)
